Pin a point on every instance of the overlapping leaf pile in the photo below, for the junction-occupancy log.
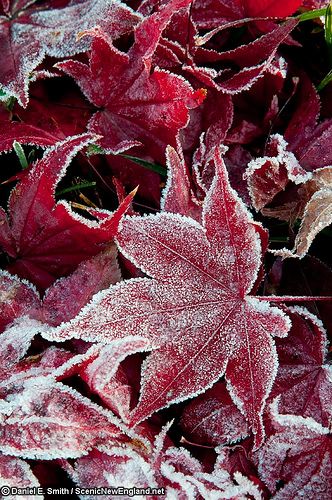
(175, 335)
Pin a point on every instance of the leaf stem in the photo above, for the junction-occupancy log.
(294, 298)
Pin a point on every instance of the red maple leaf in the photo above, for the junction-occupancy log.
(195, 310)
(30, 30)
(139, 106)
(46, 239)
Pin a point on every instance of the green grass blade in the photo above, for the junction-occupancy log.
(20, 154)
(326, 80)
(77, 187)
(312, 14)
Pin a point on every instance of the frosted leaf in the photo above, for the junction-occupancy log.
(42, 232)
(105, 376)
(177, 195)
(317, 216)
(16, 473)
(24, 134)
(139, 106)
(30, 33)
(115, 467)
(213, 418)
(211, 13)
(165, 466)
(15, 341)
(317, 212)
(299, 454)
(64, 299)
(252, 60)
(304, 380)
(51, 362)
(16, 298)
(269, 175)
(49, 420)
(195, 311)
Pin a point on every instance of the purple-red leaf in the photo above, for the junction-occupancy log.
(304, 379)
(299, 455)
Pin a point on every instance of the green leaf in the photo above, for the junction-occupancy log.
(94, 149)
(326, 80)
(328, 31)
(77, 187)
(21, 155)
(312, 14)
(155, 167)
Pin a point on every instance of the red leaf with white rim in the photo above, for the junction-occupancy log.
(28, 33)
(139, 106)
(195, 310)
(45, 238)
(298, 453)
(49, 420)
(304, 379)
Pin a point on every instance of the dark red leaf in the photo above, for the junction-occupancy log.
(140, 106)
(47, 239)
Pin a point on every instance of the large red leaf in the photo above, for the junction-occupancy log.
(139, 106)
(47, 239)
(29, 31)
(195, 310)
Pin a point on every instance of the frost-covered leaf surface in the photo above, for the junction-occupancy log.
(58, 423)
(140, 106)
(29, 32)
(195, 313)
(162, 163)
(213, 418)
(15, 472)
(304, 380)
(174, 469)
(298, 454)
